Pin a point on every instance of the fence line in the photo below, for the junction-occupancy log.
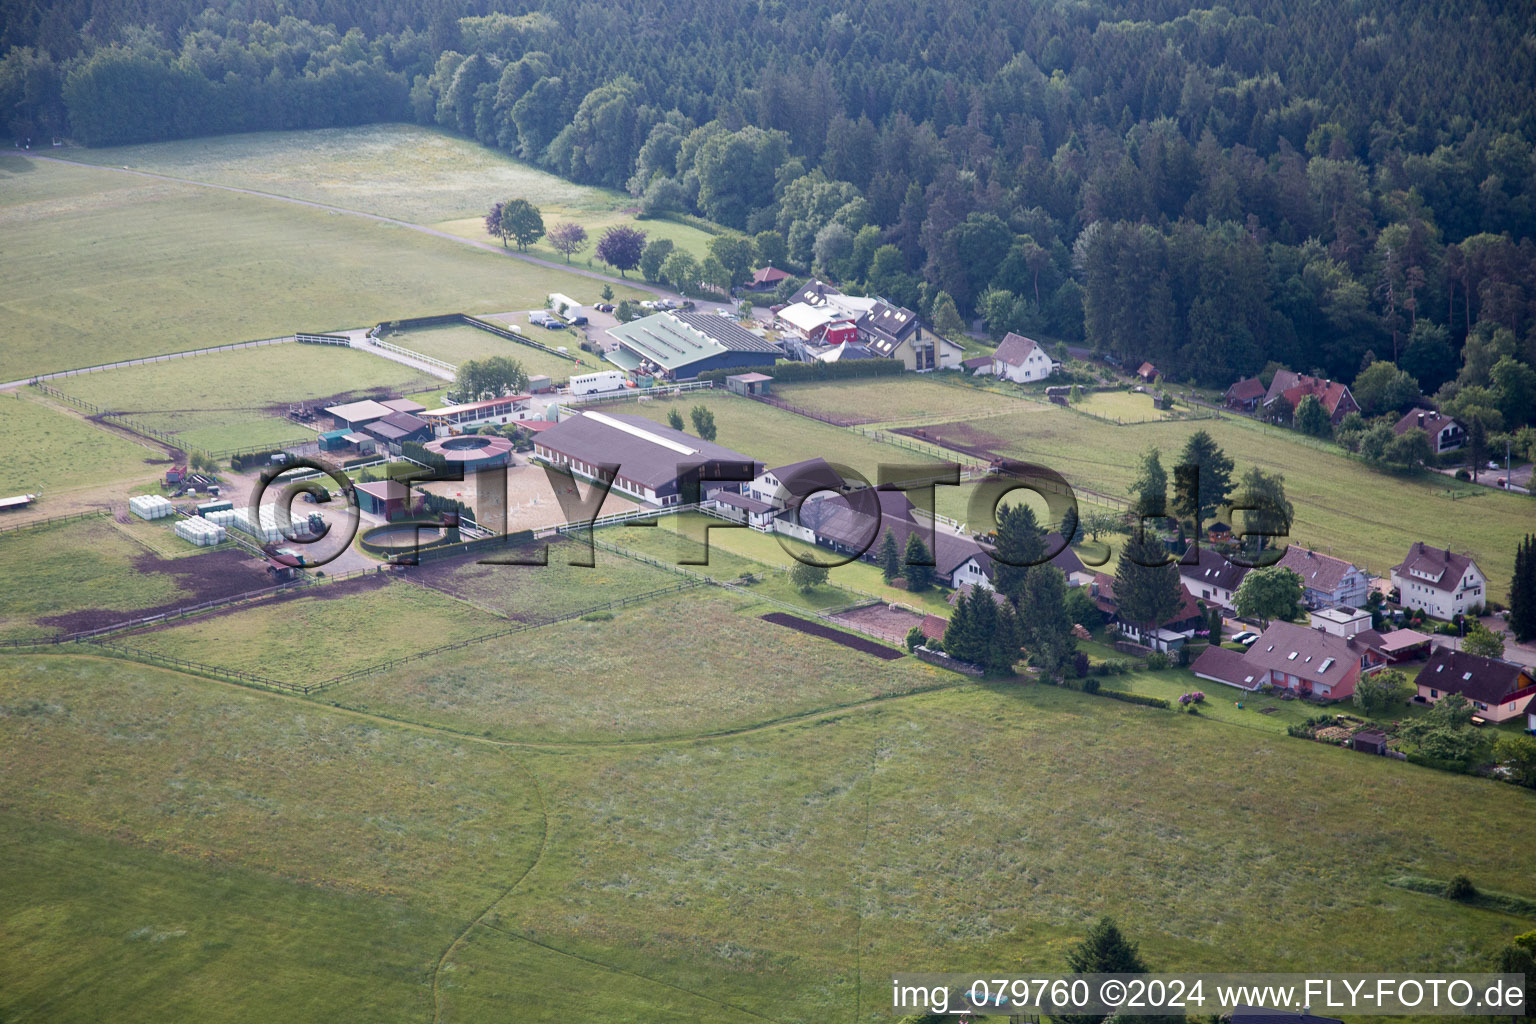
(38, 524)
(324, 339)
(159, 359)
(631, 394)
(429, 360)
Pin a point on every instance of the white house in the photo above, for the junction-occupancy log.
(1326, 582)
(1443, 584)
(1445, 434)
(1021, 359)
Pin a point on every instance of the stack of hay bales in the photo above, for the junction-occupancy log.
(224, 517)
(201, 532)
(150, 506)
(265, 528)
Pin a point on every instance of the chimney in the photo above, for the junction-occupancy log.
(1421, 419)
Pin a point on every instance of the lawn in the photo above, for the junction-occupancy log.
(238, 399)
(1342, 507)
(101, 265)
(907, 399)
(179, 849)
(335, 629)
(458, 343)
(584, 681)
(49, 450)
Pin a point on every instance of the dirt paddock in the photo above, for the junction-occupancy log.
(881, 620)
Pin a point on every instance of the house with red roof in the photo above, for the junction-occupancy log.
(1245, 395)
(1334, 396)
(1147, 372)
(1326, 582)
(766, 279)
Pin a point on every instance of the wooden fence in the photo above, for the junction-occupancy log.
(38, 524)
(159, 359)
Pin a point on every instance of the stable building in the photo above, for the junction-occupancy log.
(643, 459)
(680, 346)
(357, 415)
(399, 428)
(454, 419)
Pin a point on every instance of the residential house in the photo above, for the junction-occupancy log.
(1327, 582)
(1443, 584)
(894, 333)
(1445, 434)
(1245, 395)
(784, 486)
(1147, 372)
(1499, 690)
(766, 279)
(1308, 662)
(1168, 635)
(1333, 395)
(1209, 576)
(1020, 360)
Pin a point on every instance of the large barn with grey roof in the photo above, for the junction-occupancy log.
(679, 346)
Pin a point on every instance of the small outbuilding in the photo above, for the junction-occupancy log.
(1147, 372)
(357, 415)
(1369, 741)
(387, 499)
(749, 383)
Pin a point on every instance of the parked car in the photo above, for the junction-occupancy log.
(1246, 638)
(604, 307)
(577, 321)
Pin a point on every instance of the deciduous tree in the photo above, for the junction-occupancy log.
(1273, 592)
(568, 238)
(620, 248)
(520, 221)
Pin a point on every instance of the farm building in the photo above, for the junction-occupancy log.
(742, 508)
(749, 383)
(1245, 395)
(1440, 582)
(357, 415)
(387, 499)
(409, 405)
(539, 383)
(783, 486)
(815, 308)
(399, 428)
(766, 279)
(1498, 690)
(680, 346)
(472, 452)
(452, 419)
(1147, 372)
(1334, 396)
(645, 460)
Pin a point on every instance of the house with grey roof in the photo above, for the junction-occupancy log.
(680, 346)
(1020, 360)
(1440, 582)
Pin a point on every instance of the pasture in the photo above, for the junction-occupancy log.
(91, 573)
(910, 398)
(240, 398)
(459, 343)
(55, 452)
(311, 636)
(1342, 506)
(579, 680)
(102, 265)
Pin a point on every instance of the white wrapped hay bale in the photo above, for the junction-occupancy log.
(149, 506)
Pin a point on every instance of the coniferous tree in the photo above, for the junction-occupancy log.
(1522, 591)
(1202, 479)
(1150, 490)
(959, 635)
(890, 557)
(1146, 594)
(1104, 950)
(1044, 624)
(1020, 544)
(1003, 646)
(917, 564)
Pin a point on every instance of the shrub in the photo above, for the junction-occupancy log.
(1080, 664)
(1090, 685)
(914, 638)
(1157, 661)
(1460, 888)
(597, 617)
(1135, 698)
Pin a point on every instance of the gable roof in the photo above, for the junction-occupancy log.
(1014, 349)
(1303, 651)
(1318, 572)
(964, 590)
(727, 332)
(397, 425)
(358, 412)
(745, 502)
(648, 453)
(807, 477)
(1249, 389)
(1146, 368)
(1226, 666)
(1103, 593)
(1487, 680)
(1431, 421)
(887, 326)
(933, 627)
(1436, 567)
(403, 405)
(676, 340)
(1296, 386)
(1211, 568)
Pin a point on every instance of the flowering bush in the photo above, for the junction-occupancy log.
(1193, 697)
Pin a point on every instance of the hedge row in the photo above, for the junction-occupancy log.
(1134, 698)
(791, 373)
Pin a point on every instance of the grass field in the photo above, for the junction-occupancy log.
(458, 343)
(782, 871)
(183, 849)
(910, 398)
(238, 399)
(50, 450)
(1124, 406)
(1365, 516)
(580, 680)
(101, 265)
(314, 637)
(403, 171)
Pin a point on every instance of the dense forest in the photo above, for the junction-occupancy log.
(1319, 185)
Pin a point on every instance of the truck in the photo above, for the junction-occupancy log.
(594, 383)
